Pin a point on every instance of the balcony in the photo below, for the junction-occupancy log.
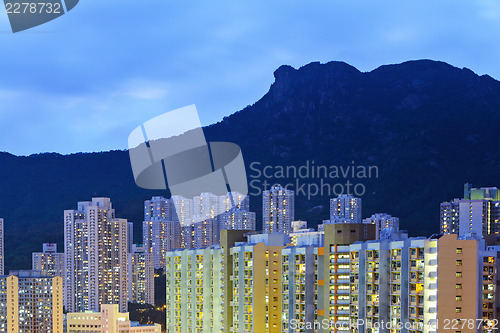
(342, 302)
(343, 291)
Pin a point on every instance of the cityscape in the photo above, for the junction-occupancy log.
(348, 275)
(249, 166)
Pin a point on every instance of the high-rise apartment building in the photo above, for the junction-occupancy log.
(161, 229)
(187, 237)
(2, 260)
(95, 246)
(182, 210)
(159, 237)
(477, 213)
(345, 209)
(278, 210)
(496, 249)
(130, 236)
(194, 290)
(334, 279)
(31, 303)
(40, 303)
(257, 283)
(237, 219)
(205, 206)
(108, 320)
(205, 233)
(301, 271)
(164, 224)
(234, 200)
(141, 273)
(49, 261)
(385, 224)
(158, 209)
(450, 217)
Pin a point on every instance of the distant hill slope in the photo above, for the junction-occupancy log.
(428, 127)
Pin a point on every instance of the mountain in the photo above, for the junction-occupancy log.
(424, 127)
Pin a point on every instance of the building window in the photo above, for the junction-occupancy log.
(458, 274)
(459, 286)
(459, 262)
(458, 298)
(459, 250)
(458, 309)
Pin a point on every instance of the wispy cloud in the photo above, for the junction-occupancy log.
(144, 89)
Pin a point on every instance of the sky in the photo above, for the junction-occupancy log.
(84, 81)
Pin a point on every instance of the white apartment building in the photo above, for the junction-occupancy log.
(237, 219)
(205, 206)
(95, 246)
(49, 261)
(278, 210)
(477, 213)
(141, 274)
(158, 209)
(234, 200)
(345, 209)
(160, 237)
(183, 210)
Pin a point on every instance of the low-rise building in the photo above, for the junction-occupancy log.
(49, 261)
(108, 320)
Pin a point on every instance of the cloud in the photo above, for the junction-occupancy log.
(144, 89)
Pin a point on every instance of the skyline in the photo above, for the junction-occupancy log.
(76, 88)
(475, 255)
(257, 166)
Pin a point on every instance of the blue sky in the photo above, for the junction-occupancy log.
(84, 81)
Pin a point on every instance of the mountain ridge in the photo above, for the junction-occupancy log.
(428, 126)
